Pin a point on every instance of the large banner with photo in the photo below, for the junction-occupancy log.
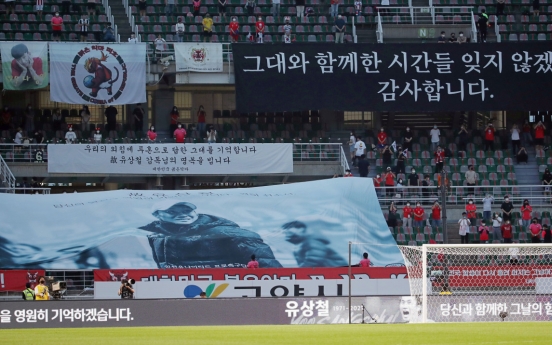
(98, 73)
(393, 77)
(291, 225)
(172, 159)
(24, 65)
(198, 57)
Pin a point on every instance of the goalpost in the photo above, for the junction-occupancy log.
(480, 282)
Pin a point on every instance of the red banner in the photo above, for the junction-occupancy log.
(507, 275)
(250, 274)
(16, 280)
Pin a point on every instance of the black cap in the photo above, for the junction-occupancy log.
(167, 204)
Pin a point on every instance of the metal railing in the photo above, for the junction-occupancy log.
(537, 195)
(343, 160)
(424, 14)
(355, 40)
(497, 30)
(379, 30)
(314, 152)
(27, 153)
(473, 29)
(26, 190)
(6, 175)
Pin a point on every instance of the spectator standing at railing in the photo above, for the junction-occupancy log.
(197, 6)
(5, 119)
(471, 210)
(547, 182)
(179, 30)
(142, 5)
(38, 137)
(85, 118)
(439, 160)
(522, 156)
(487, 205)
(159, 47)
(407, 140)
(352, 142)
(57, 23)
(507, 208)
(462, 139)
(382, 139)
(539, 135)
(132, 39)
(413, 181)
(169, 7)
(39, 8)
(339, 29)
(377, 184)
(91, 6)
(436, 215)
(152, 136)
(497, 228)
(207, 23)
(358, 7)
(334, 8)
(482, 23)
(234, 27)
(29, 119)
(461, 37)
(211, 135)
(70, 136)
(179, 134)
(66, 7)
(9, 7)
(516, 142)
(253, 263)
(471, 179)
(386, 155)
(83, 27)
(526, 137)
(535, 228)
(418, 216)
(111, 116)
(260, 28)
(435, 134)
(390, 182)
(452, 38)
(56, 120)
(365, 262)
(108, 33)
(392, 215)
(250, 7)
(526, 211)
(363, 166)
(442, 38)
(464, 229)
(506, 229)
(500, 7)
(138, 115)
(18, 140)
(407, 215)
(222, 8)
(276, 8)
(401, 158)
(536, 8)
(547, 233)
(483, 232)
(489, 137)
(98, 136)
(426, 183)
(360, 149)
(300, 8)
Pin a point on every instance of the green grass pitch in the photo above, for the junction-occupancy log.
(397, 334)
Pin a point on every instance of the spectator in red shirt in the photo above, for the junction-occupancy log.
(260, 29)
(483, 233)
(539, 135)
(26, 70)
(382, 139)
(390, 182)
(152, 135)
(536, 230)
(234, 27)
(179, 134)
(471, 209)
(253, 263)
(407, 215)
(506, 229)
(57, 23)
(418, 216)
(526, 211)
(436, 215)
(365, 262)
(439, 159)
(489, 137)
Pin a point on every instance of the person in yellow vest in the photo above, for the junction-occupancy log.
(28, 293)
(41, 291)
(207, 28)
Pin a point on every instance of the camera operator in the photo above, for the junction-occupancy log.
(126, 291)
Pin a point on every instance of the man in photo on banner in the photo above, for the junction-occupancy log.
(26, 69)
(183, 238)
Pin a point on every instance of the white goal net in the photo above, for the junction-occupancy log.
(480, 282)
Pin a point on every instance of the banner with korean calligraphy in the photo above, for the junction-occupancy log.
(393, 77)
(305, 224)
(107, 73)
(172, 159)
(24, 65)
(198, 57)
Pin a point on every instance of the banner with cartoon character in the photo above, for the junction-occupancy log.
(198, 57)
(106, 73)
(24, 65)
(305, 224)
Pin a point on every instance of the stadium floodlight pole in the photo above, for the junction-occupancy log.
(350, 246)
(444, 203)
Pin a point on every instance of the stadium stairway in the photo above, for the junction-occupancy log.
(121, 19)
(528, 174)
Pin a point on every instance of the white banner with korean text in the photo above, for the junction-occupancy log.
(107, 73)
(198, 57)
(171, 159)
